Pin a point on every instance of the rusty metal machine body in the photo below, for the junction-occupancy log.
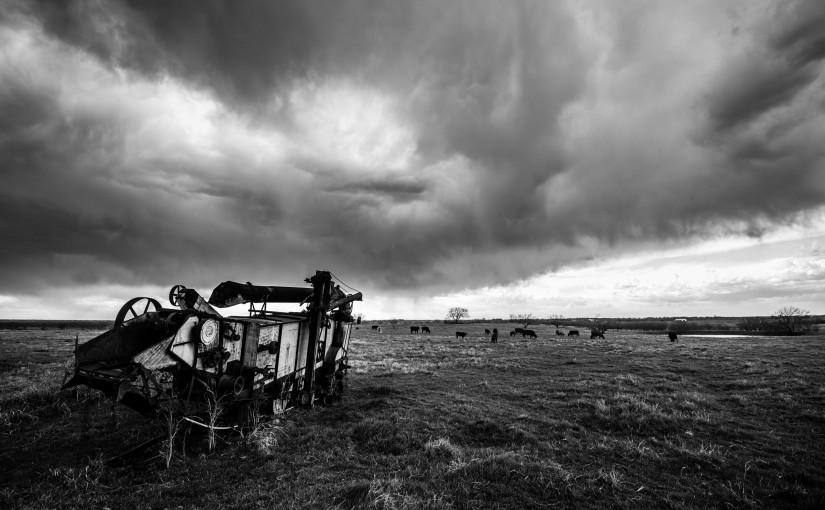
(192, 354)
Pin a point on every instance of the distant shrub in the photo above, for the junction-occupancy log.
(652, 325)
(677, 326)
(752, 324)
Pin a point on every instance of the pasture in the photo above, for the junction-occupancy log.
(429, 421)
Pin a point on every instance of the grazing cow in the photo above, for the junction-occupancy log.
(596, 334)
(460, 334)
(513, 333)
(374, 327)
(573, 332)
(672, 336)
(559, 333)
(486, 331)
(425, 329)
(528, 332)
(413, 329)
(494, 338)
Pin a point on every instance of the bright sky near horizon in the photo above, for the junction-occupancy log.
(582, 157)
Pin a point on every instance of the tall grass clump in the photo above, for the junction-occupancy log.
(441, 449)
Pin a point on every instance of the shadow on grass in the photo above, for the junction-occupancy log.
(386, 436)
(486, 432)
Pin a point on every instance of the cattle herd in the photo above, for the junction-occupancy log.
(525, 333)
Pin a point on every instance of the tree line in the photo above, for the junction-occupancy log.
(787, 320)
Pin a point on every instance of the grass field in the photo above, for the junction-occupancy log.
(632, 421)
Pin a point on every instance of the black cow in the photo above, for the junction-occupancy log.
(513, 333)
(494, 338)
(672, 336)
(528, 332)
(596, 334)
(460, 334)
(425, 329)
(413, 329)
(573, 332)
(486, 331)
(374, 327)
(559, 333)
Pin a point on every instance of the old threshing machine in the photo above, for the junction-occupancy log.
(155, 356)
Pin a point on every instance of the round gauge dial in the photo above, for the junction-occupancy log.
(209, 331)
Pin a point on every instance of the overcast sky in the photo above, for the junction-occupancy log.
(582, 157)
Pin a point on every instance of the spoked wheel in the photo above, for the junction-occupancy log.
(338, 387)
(334, 390)
(176, 294)
(134, 308)
(278, 406)
(281, 401)
(339, 390)
(340, 383)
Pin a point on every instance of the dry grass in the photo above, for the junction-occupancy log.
(433, 422)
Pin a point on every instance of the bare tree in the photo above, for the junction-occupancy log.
(215, 408)
(789, 318)
(556, 319)
(457, 313)
(172, 423)
(525, 319)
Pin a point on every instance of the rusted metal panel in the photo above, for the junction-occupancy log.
(124, 342)
(288, 351)
(250, 345)
(301, 354)
(268, 345)
(345, 300)
(189, 299)
(157, 356)
(233, 293)
(232, 340)
(337, 348)
(184, 344)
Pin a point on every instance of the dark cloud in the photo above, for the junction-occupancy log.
(418, 146)
(754, 86)
(798, 32)
(244, 51)
(765, 110)
(402, 189)
(774, 71)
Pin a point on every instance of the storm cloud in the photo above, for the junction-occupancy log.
(411, 146)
